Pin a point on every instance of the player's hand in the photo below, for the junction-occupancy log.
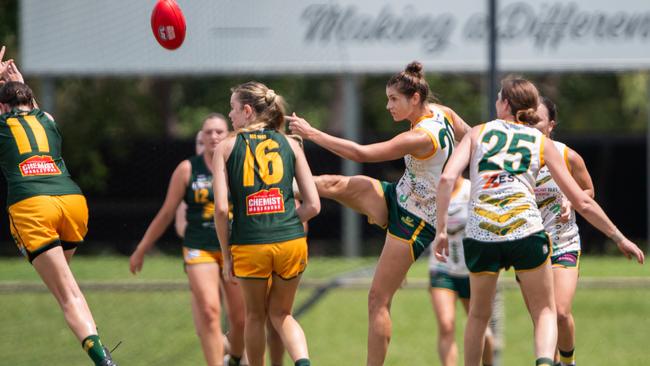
(299, 126)
(441, 247)
(13, 74)
(228, 274)
(565, 212)
(630, 250)
(136, 261)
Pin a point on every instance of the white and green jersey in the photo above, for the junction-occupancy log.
(564, 236)
(416, 190)
(505, 162)
(456, 220)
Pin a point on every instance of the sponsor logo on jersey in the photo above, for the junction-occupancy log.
(265, 202)
(202, 182)
(38, 165)
(495, 180)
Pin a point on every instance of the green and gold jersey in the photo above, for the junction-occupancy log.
(260, 177)
(200, 232)
(30, 156)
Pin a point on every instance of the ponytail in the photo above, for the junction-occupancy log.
(411, 81)
(268, 106)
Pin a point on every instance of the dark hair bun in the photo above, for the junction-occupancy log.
(414, 68)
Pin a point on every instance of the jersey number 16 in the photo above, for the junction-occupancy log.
(268, 160)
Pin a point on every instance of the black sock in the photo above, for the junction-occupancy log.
(234, 361)
(543, 361)
(302, 362)
(567, 357)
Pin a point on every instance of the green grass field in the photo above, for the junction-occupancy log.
(156, 326)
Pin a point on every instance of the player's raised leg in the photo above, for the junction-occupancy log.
(360, 193)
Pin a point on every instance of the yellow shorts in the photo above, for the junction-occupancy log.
(40, 223)
(196, 256)
(286, 259)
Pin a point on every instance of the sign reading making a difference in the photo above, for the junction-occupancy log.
(337, 36)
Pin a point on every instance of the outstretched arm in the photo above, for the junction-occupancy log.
(585, 205)
(455, 166)
(414, 142)
(164, 217)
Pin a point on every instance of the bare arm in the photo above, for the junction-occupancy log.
(310, 205)
(585, 205)
(221, 205)
(164, 217)
(581, 175)
(455, 166)
(414, 142)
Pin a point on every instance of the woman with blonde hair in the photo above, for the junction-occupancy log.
(258, 164)
(191, 183)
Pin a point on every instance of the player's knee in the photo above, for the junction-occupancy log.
(255, 317)
(237, 319)
(277, 320)
(377, 301)
(330, 184)
(480, 314)
(211, 312)
(446, 329)
(563, 315)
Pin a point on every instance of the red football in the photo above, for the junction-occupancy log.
(168, 24)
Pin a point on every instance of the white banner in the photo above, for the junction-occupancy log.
(66, 37)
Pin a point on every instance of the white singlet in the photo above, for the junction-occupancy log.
(505, 162)
(416, 190)
(564, 236)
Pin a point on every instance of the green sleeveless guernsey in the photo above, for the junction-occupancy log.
(200, 232)
(260, 177)
(30, 156)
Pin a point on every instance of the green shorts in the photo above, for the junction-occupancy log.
(405, 226)
(523, 254)
(460, 285)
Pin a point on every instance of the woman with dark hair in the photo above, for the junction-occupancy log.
(48, 214)
(505, 227)
(406, 208)
(559, 221)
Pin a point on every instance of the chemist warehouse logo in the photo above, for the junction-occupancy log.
(38, 165)
(265, 202)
